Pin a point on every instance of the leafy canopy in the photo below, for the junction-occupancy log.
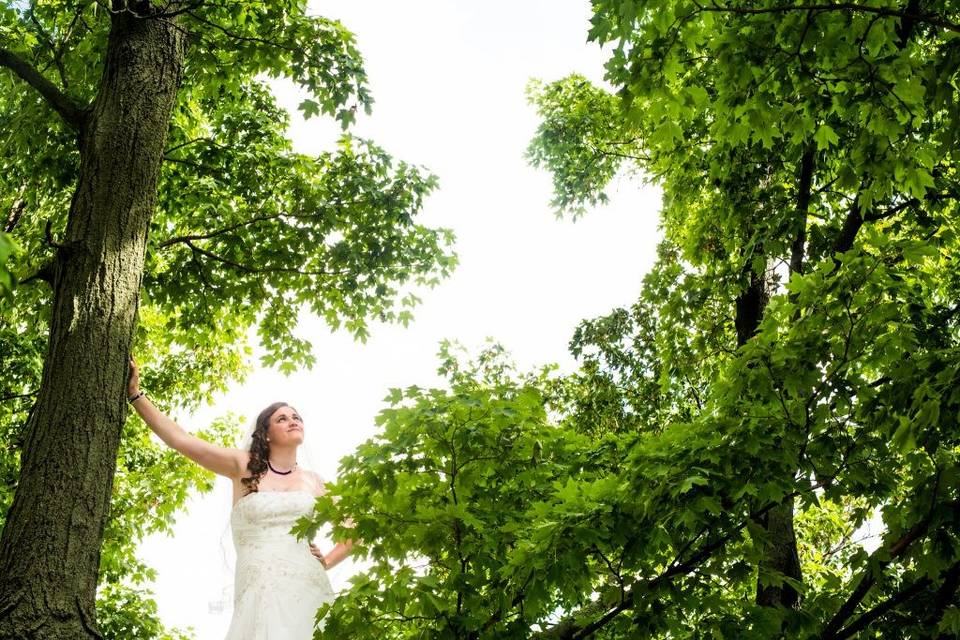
(812, 147)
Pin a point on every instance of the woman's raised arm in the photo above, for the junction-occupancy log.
(223, 461)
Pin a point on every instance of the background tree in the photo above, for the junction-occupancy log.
(789, 372)
(154, 200)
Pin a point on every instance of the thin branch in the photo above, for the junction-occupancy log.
(218, 232)
(248, 269)
(44, 273)
(200, 167)
(71, 112)
(18, 396)
(184, 7)
(851, 226)
(48, 235)
(947, 591)
(16, 211)
(517, 600)
(189, 142)
(798, 249)
(50, 44)
(892, 211)
(236, 36)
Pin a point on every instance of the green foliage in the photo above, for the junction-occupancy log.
(6, 278)
(581, 139)
(438, 502)
(854, 363)
(812, 149)
(131, 614)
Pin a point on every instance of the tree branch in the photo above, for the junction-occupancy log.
(912, 17)
(947, 588)
(570, 628)
(18, 396)
(832, 630)
(217, 232)
(16, 211)
(237, 36)
(851, 226)
(44, 273)
(70, 111)
(207, 139)
(798, 248)
(890, 603)
(892, 211)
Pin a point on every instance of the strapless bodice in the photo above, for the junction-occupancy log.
(268, 515)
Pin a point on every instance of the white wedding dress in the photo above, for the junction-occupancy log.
(278, 584)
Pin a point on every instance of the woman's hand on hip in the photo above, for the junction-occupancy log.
(315, 550)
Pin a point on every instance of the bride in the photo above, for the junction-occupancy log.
(279, 583)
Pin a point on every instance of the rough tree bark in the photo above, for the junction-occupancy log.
(50, 545)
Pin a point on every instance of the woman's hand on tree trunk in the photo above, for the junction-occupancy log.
(133, 379)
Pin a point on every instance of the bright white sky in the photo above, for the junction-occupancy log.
(448, 78)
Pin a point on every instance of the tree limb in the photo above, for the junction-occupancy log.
(16, 211)
(218, 232)
(18, 396)
(832, 630)
(947, 590)
(890, 603)
(851, 226)
(44, 273)
(571, 627)
(798, 248)
(912, 18)
(944, 594)
(892, 211)
(249, 269)
(71, 112)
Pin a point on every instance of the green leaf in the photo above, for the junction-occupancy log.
(825, 137)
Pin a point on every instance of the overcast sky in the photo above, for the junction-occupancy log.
(448, 78)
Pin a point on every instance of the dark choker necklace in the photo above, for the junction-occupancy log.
(280, 473)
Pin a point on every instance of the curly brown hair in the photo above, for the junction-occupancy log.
(260, 448)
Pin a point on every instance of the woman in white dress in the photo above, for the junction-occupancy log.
(279, 582)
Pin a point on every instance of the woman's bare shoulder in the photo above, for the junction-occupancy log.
(316, 481)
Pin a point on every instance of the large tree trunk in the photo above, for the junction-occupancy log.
(50, 546)
(779, 555)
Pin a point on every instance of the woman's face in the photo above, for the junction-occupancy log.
(286, 427)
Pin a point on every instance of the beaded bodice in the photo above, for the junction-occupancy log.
(268, 515)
